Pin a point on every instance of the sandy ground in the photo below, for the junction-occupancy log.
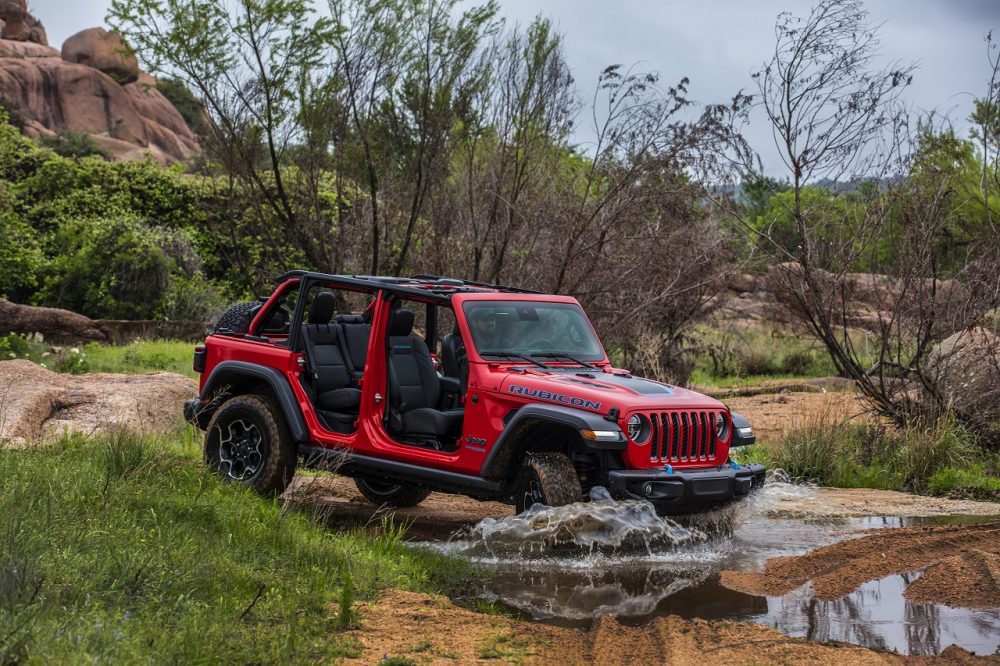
(774, 414)
(36, 403)
(962, 563)
(431, 630)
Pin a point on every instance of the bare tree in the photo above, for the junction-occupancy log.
(838, 122)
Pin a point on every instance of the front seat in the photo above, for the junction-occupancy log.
(454, 359)
(416, 387)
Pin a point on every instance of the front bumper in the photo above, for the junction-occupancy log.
(683, 491)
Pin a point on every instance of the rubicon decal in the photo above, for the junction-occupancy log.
(554, 397)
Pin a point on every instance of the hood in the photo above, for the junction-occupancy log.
(599, 391)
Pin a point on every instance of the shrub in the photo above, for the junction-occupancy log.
(73, 145)
(20, 257)
(853, 455)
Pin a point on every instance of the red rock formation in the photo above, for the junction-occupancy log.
(104, 51)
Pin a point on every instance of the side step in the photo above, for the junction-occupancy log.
(339, 460)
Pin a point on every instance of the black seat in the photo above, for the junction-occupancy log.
(357, 332)
(454, 359)
(331, 380)
(416, 387)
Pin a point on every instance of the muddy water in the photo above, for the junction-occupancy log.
(571, 564)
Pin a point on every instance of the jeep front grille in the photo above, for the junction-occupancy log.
(686, 436)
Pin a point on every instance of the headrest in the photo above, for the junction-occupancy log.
(401, 323)
(321, 310)
(350, 319)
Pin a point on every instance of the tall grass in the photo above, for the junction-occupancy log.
(137, 357)
(927, 459)
(123, 549)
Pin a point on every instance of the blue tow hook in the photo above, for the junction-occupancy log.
(735, 465)
(670, 469)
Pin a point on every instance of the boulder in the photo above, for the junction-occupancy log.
(19, 25)
(12, 49)
(965, 371)
(40, 405)
(54, 325)
(104, 51)
(128, 122)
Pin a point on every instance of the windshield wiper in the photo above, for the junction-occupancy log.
(507, 354)
(568, 357)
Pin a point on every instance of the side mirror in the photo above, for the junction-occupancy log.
(742, 432)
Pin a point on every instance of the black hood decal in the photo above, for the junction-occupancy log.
(640, 386)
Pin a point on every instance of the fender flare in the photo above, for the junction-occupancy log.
(222, 374)
(513, 439)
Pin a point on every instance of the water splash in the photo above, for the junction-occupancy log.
(600, 525)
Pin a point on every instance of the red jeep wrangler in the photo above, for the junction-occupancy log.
(523, 406)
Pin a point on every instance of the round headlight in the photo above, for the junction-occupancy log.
(721, 426)
(638, 428)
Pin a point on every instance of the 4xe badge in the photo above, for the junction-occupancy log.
(475, 443)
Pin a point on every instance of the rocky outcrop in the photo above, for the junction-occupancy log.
(38, 404)
(128, 122)
(19, 25)
(104, 51)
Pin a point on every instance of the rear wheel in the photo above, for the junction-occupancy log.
(391, 494)
(549, 479)
(248, 442)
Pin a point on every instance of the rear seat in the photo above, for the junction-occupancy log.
(357, 333)
(334, 390)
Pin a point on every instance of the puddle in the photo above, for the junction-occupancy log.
(572, 564)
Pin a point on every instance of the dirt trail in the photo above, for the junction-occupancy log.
(431, 630)
(36, 403)
(962, 563)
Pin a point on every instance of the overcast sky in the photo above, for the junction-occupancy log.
(716, 43)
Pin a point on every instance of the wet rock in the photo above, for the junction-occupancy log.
(105, 52)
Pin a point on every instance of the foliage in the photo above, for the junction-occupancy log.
(73, 144)
(853, 455)
(20, 257)
(117, 547)
(185, 102)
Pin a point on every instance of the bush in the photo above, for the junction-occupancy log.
(852, 455)
(20, 258)
(73, 145)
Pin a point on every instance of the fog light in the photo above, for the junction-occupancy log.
(648, 489)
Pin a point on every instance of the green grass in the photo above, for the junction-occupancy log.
(728, 358)
(142, 356)
(138, 357)
(941, 459)
(123, 549)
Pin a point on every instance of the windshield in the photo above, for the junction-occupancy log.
(532, 330)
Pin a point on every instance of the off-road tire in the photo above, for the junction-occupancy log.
(237, 318)
(549, 479)
(278, 454)
(399, 495)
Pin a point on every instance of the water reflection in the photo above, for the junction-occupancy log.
(877, 616)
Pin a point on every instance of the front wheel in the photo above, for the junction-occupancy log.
(399, 495)
(248, 442)
(549, 479)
